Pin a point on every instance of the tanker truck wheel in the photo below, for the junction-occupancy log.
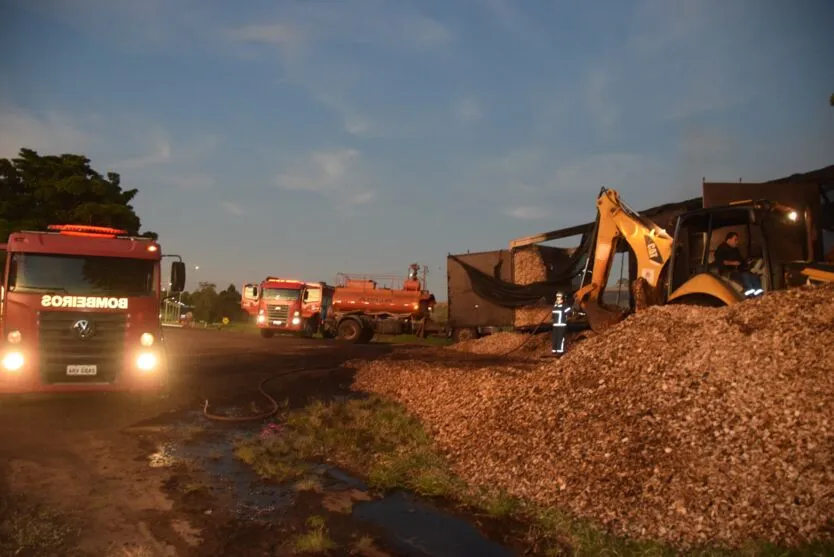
(350, 330)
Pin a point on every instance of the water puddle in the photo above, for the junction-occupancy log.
(418, 529)
(253, 498)
(411, 526)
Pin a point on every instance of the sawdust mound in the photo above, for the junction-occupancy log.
(686, 425)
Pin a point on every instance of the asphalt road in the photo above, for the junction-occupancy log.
(86, 456)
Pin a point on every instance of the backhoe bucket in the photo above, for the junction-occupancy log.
(601, 319)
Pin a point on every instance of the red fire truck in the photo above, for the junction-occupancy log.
(79, 311)
(287, 306)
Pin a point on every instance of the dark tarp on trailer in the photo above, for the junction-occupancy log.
(510, 295)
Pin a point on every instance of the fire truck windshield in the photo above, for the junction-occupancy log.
(81, 274)
(280, 294)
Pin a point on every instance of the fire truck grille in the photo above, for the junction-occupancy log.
(61, 346)
(278, 313)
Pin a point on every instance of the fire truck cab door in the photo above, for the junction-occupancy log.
(249, 298)
(312, 300)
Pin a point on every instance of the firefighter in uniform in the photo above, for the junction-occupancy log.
(560, 324)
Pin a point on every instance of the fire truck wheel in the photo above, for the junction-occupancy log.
(266, 333)
(350, 330)
(310, 327)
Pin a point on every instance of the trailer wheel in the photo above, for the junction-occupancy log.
(266, 333)
(350, 330)
(462, 335)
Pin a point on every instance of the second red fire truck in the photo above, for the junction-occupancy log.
(288, 306)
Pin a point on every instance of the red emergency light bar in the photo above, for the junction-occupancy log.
(277, 279)
(90, 231)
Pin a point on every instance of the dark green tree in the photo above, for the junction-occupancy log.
(36, 191)
(831, 100)
(229, 305)
(204, 300)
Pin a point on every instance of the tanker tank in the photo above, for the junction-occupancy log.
(363, 307)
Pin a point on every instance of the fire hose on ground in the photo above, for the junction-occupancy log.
(274, 403)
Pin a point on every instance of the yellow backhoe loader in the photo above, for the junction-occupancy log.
(680, 268)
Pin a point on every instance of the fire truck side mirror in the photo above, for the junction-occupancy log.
(177, 276)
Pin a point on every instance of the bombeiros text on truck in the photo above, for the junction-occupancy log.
(79, 311)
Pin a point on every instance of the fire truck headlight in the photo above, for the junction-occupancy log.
(146, 361)
(13, 361)
(296, 313)
(14, 337)
(296, 320)
(261, 318)
(146, 339)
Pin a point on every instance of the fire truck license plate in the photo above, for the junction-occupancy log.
(82, 370)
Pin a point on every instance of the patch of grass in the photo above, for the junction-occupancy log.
(308, 483)
(33, 530)
(365, 543)
(390, 448)
(367, 434)
(500, 504)
(268, 465)
(316, 539)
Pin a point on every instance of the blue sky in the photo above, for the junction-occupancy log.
(308, 137)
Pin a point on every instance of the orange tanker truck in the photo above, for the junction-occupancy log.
(79, 311)
(363, 308)
(282, 305)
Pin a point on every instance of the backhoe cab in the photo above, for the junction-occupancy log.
(682, 269)
(770, 237)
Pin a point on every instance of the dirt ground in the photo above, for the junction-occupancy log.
(110, 475)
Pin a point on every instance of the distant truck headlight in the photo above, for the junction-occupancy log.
(261, 318)
(296, 320)
(14, 337)
(146, 361)
(146, 339)
(13, 361)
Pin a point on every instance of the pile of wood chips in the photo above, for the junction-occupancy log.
(516, 344)
(686, 425)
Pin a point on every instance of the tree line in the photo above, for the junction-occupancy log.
(39, 190)
(208, 305)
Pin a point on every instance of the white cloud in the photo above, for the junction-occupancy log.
(190, 181)
(232, 208)
(338, 173)
(508, 15)
(530, 212)
(161, 151)
(601, 106)
(469, 110)
(277, 33)
(315, 45)
(47, 132)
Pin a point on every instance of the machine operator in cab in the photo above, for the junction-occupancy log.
(729, 260)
